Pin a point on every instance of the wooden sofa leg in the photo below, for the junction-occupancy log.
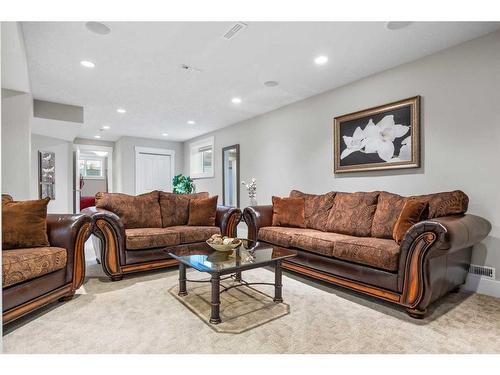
(116, 277)
(416, 313)
(67, 297)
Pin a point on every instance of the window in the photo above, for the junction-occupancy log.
(202, 158)
(91, 168)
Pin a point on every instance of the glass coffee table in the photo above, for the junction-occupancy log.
(229, 265)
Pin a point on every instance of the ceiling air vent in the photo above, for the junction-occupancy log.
(238, 27)
(484, 271)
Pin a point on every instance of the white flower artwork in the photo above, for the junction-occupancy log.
(379, 138)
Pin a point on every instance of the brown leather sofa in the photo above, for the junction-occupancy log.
(432, 259)
(34, 277)
(124, 247)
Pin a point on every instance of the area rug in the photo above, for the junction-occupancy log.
(241, 309)
(139, 315)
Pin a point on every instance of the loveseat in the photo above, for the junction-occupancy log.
(36, 274)
(134, 232)
(347, 239)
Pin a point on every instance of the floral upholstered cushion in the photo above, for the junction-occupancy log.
(175, 207)
(446, 203)
(26, 264)
(316, 208)
(141, 211)
(352, 213)
(374, 252)
(389, 207)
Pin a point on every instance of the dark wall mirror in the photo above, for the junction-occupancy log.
(231, 175)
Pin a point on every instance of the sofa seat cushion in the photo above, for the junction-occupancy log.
(149, 238)
(317, 242)
(29, 263)
(374, 252)
(281, 236)
(190, 234)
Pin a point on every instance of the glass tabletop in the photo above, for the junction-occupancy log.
(249, 255)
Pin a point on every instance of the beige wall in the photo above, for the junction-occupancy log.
(292, 147)
(17, 112)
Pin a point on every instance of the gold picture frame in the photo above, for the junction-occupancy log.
(371, 140)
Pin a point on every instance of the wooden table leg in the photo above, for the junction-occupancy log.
(215, 310)
(182, 280)
(237, 276)
(277, 282)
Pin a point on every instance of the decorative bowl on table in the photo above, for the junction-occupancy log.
(223, 243)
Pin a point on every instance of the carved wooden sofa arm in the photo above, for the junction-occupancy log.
(70, 232)
(434, 259)
(257, 217)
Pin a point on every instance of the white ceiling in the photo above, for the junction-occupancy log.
(138, 68)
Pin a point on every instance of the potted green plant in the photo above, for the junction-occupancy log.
(183, 184)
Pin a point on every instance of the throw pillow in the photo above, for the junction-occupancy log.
(202, 211)
(414, 210)
(24, 224)
(289, 212)
(175, 207)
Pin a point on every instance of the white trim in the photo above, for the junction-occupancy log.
(154, 151)
(482, 285)
(107, 149)
(208, 141)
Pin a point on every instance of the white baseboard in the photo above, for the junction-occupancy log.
(482, 285)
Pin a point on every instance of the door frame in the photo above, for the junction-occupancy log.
(238, 182)
(153, 151)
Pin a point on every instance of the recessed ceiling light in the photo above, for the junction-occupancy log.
(98, 28)
(97, 136)
(191, 122)
(396, 25)
(236, 100)
(87, 64)
(164, 134)
(121, 110)
(320, 60)
(271, 83)
(106, 127)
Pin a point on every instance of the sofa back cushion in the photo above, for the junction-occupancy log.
(316, 208)
(6, 198)
(352, 213)
(389, 207)
(289, 212)
(141, 211)
(413, 211)
(202, 211)
(24, 224)
(445, 203)
(175, 207)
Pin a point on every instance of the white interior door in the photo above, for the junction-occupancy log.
(154, 169)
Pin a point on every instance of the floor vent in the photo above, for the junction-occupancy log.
(231, 33)
(484, 271)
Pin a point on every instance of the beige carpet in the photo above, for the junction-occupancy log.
(139, 315)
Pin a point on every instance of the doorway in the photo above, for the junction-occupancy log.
(154, 168)
(92, 174)
(231, 176)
